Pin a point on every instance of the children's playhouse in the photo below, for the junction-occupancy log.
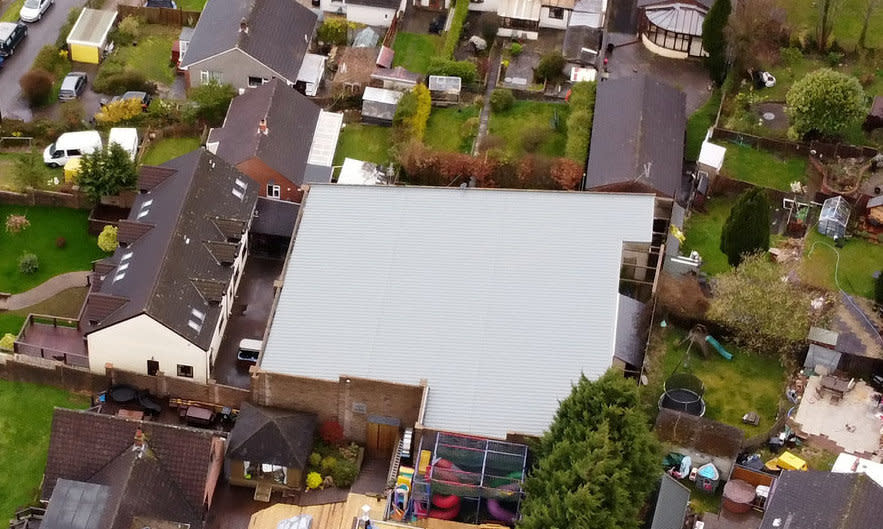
(461, 478)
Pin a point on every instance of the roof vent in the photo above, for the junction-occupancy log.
(262, 127)
(243, 26)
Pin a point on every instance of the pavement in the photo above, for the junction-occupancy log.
(485, 116)
(45, 290)
(40, 33)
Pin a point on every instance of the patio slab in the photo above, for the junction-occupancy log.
(852, 423)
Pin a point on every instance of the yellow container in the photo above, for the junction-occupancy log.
(789, 461)
(72, 170)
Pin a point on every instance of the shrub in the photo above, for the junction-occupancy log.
(36, 86)
(116, 80)
(465, 70)
(28, 263)
(212, 101)
(107, 172)
(502, 99)
(345, 473)
(72, 15)
(811, 99)
(327, 464)
(118, 111)
(550, 68)
(412, 114)
(469, 127)
(314, 480)
(72, 113)
(714, 42)
(29, 170)
(60, 242)
(128, 31)
(51, 59)
(7, 343)
(515, 49)
(315, 459)
(533, 137)
(16, 223)
(579, 123)
(107, 239)
(334, 30)
(833, 58)
(331, 432)
(453, 36)
(791, 55)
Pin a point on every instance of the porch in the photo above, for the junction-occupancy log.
(53, 338)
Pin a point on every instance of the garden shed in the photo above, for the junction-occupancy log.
(379, 105)
(834, 217)
(875, 211)
(88, 38)
(444, 89)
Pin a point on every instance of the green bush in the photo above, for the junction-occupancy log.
(344, 473)
(334, 30)
(72, 15)
(502, 99)
(7, 343)
(453, 36)
(412, 114)
(791, 55)
(28, 263)
(515, 49)
(834, 58)
(72, 113)
(550, 68)
(212, 101)
(579, 124)
(113, 79)
(128, 31)
(811, 100)
(328, 464)
(314, 480)
(465, 70)
(52, 59)
(315, 459)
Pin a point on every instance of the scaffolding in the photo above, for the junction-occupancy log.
(469, 479)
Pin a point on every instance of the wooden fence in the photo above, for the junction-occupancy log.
(40, 197)
(831, 150)
(160, 15)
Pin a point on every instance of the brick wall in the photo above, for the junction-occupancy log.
(349, 400)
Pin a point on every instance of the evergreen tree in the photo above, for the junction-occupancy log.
(596, 464)
(713, 40)
(107, 172)
(747, 229)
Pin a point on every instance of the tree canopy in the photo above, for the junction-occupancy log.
(754, 33)
(713, 40)
(107, 172)
(825, 102)
(596, 464)
(747, 229)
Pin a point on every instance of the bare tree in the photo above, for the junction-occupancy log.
(827, 12)
(871, 7)
(754, 32)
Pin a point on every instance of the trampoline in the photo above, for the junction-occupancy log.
(683, 392)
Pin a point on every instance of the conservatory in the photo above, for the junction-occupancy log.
(672, 29)
(834, 217)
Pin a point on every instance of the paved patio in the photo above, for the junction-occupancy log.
(729, 520)
(852, 423)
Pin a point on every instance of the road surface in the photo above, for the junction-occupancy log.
(40, 33)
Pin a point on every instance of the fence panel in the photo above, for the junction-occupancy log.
(160, 15)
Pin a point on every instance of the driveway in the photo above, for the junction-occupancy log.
(40, 33)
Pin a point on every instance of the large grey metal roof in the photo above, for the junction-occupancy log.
(493, 296)
(671, 504)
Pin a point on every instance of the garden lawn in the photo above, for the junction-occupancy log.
(445, 129)
(11, 12)
(748, 382)
(698, 124)
(191, 5)
(47, 225)
(369, 143)
(763, 168)
(65, 304)
(531, 117)
(859, 259)
(161, 151)
(703, 232)
(847, 21)
(7, 172)
(414, 50)
(151, 56)
(25, 421)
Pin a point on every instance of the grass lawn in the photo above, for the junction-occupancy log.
(414, 50)
(47, 225)
(847, 21)
(748, 382)
(763, 168)
(858, 260)
(151, 56)
(66, 304)
(25, 421)
(191, 5)
(369, 143)
(10, 14)
(703, 232)
(163, 150)
(698, 124)
(444, 130)
(531, 117)
(7, 171)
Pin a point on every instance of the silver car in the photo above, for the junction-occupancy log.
(72, 86)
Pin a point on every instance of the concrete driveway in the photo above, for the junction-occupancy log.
(40, 33)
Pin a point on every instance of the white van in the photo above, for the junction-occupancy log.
(71, 145)
(249, 350)
(127, 138)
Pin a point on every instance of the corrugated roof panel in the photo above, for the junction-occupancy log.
(498, 298)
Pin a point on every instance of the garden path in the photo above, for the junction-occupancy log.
(492, 78)
(45, 290)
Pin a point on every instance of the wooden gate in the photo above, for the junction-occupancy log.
(382, 434)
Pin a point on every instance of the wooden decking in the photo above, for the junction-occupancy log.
(329, 516)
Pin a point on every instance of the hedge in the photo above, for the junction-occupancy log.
(579, 124)
(453, 36)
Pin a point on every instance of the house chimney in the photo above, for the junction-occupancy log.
(243, 25)
(262, 127)
(139, 437)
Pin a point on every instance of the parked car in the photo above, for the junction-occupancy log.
(33, 10)
(11, 34)
(144, 97)
(71, 145)
(72, 86)
(125, 137)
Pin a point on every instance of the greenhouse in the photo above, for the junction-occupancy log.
(834, 217)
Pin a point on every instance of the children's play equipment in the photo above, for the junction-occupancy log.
(707, 478)
(401, 493)
(467, 479)
(720, 348)
(683, 392)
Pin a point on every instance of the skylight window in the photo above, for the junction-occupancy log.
(198, 314)
(122, 267)
(237, 193)
(195, 325)
(147, 204)
(119, 276)
(241, 184)
(143, 213)
(126, 257)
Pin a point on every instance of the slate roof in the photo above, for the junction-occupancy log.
(671, 504)
(632, 325)
(638, 135)
(823, 500)
(275, 217)
(189, 211)
(291, 123)
(95, 448)
(272, 435)
(578, 37)
(385, 4)
(218, 30)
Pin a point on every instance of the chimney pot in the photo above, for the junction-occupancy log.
(262, 127)
(243, 25)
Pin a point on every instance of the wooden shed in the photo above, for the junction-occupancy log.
(88, 38)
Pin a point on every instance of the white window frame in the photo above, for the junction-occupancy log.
(255, 85)
(274, 191)
(207, 76)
